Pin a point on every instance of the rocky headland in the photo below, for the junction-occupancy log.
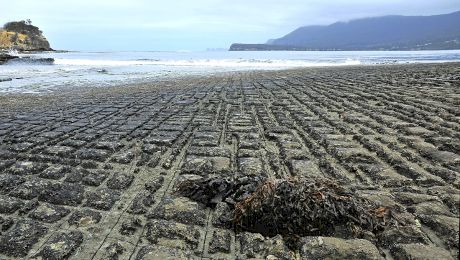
(23, 36)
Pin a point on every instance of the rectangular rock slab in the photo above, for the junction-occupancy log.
(420, 252)
(173, 235)
(202, 165)
(161, 252)
(180, 209)
(337, 248)
(305, 168)
(62, 245)
(18, 240)
(250, 166)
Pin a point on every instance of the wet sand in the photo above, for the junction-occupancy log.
(90, 173)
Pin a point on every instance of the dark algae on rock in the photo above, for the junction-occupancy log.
(215, 189)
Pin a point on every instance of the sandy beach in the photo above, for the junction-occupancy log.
(92, 173)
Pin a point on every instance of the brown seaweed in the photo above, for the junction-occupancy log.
(307, 207)
(293, 207)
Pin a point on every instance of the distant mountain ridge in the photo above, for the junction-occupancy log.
(377, 33)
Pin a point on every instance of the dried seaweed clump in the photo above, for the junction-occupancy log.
(302, 207)
(292, 207)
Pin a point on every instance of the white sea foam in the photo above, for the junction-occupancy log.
(246, 63)
(13, 52)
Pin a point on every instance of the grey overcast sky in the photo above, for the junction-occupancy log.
(195, 24)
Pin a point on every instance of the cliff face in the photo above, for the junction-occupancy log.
(23, 36)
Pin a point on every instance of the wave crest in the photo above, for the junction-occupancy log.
(206, 63)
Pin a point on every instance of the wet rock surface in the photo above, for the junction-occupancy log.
(18, 240)
(336, 248)
(61, 245)
(96, 174)
(84, 217)
(6, 57)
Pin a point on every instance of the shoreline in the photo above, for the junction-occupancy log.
(118, 68)
(69, 89)
(17, 102)
(11, 100)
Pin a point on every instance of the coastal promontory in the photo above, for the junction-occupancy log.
(23, 36)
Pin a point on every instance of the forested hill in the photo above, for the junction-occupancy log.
(378, 33)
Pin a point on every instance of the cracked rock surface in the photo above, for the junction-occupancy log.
(93, 173)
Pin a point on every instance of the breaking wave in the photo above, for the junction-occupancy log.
(247, 63)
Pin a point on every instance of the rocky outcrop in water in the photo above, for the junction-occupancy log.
(11, 59)
(6, 57)
(23, 36)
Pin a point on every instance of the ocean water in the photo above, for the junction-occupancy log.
(100, 69)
